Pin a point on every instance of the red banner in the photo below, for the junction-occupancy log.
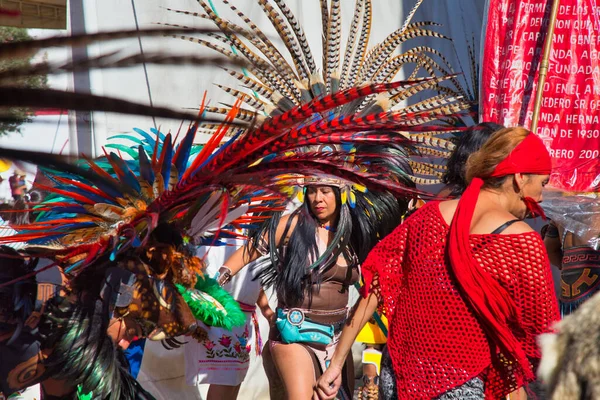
(569, 120)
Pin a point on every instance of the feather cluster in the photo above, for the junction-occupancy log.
(213, 305)
(290, 121)
(339, 98)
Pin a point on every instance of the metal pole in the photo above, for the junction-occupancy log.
(544, 66)
(81, 82)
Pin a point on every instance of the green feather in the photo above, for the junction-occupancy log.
(125, 149)
(227, 315)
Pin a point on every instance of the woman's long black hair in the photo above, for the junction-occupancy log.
(358, 228)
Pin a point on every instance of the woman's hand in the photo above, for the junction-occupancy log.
(328, 384)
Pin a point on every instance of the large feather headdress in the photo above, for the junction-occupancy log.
(271, 86)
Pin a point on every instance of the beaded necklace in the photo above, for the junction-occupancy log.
(327, 228)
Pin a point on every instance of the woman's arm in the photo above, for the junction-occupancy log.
(250, 252)
(263, 304)
(329, 383)
(553, 245)
(385, 259)
(534, 294)
(241, 257)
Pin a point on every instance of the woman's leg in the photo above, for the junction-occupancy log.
(276, 388)
(296, 369)
(219, 392)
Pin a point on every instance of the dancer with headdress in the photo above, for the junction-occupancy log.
(122, 230)
(308, 285)
(313, 258)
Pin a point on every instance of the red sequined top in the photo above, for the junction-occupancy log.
(435, 341)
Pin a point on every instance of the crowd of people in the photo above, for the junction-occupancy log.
(465, 284)
(321, 196)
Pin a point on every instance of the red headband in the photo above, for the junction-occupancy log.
(491, 302)
(529, 157)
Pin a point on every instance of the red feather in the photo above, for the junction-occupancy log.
(66, 193)
(81, 185)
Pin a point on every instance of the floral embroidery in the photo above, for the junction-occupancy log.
(224, 349)
(244, 338)
(225, 340)
(209, 345)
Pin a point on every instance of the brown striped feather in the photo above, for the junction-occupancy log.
(288, 39)
(423, 181)
(299, 32)
(252, 101)
(431, 141)
(274, 55)
(351, 42)
(324, 28)
(242, 114)
(426, 165)
(361, 47)
(334, 36)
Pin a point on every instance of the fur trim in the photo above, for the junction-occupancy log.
(550, 355)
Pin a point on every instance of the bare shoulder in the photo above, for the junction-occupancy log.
(292, 220)
(492, 219)
(486, 220)
(285, 220)
(518, 227)
(447, 209)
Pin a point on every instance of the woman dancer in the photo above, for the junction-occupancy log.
(466, 285)
(314, 256)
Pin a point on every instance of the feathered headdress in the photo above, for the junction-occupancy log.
(104, 212)
(105, 209)
(114, 208)
(271, 87)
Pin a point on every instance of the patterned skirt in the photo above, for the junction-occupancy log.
(224, 357)
(470, 390)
